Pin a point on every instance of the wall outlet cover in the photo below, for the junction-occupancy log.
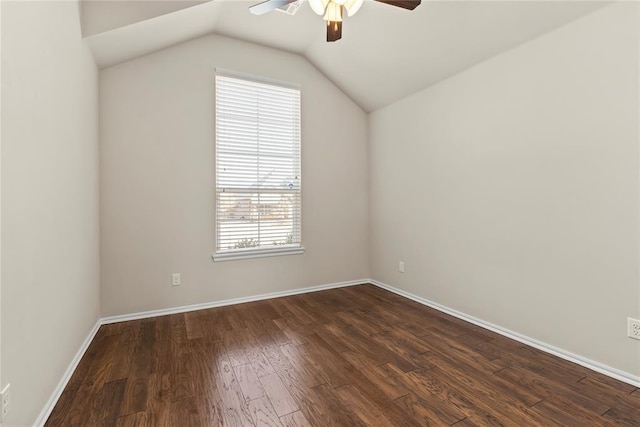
(175, 279)
(6, 402)
(633, 328)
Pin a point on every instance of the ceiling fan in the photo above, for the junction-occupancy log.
(331, 9)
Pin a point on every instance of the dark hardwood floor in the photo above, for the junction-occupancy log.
(345, 357)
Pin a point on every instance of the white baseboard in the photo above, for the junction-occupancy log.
(44, 415)
(563, 354)
(222, 303)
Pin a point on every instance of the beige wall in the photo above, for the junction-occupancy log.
(50, 274)
(157, 180)
(511, 190)
(100, 16)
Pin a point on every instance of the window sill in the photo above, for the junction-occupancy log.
(236, 255)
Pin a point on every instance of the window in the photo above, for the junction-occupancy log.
(258, 182)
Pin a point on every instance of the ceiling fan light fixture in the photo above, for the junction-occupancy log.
(330, 10)
(318, 6)
(334, 12)
(353, 6)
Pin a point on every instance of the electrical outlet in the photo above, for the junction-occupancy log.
(633, 328)
(6, 401)
(401, 266)
(175, 279)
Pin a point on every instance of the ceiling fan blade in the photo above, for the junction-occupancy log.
(268, 6)
(405, 4)
(334, 30)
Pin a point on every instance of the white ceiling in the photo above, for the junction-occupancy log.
(386, 53)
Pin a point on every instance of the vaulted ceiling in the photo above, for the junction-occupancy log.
(386, 53)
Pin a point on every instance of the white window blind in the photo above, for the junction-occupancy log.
(258, 182)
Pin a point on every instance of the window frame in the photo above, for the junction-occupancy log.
(264, 251)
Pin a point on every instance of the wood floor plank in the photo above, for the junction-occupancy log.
(335, 369)
(181, 380)
(135, 394)
(207, 356)
(469, 328)
(490, 349)
(79, 412)
(543, 364)
(611, 395)
(62, 408)
(334, 409)
(234, 348)
(422, 411)
(311, 404)
(404, 339)
(365, 409)
(332, 340)
(249, 382)
(193, 324)
(85, 372)
(494, 399)
(158, 404)
(113, 328)
(161, 364)
(107, 404)
(298, 311)
(306, 367)
(387, 382)
(625, 408)
(449, 401)
(354, 356)
(358, 322)
(466, 423)
(260, 362)
(334, 301)
(363, 344)
(138, 419)
(278, 361)
(294, 331)
(320, 312)
(184, 413)
(446, 346)
(219, 322)
(122, 360)
(278, 305)
(263, 413)
(623, 416)
(435, 399)
(563, 415)
(554, 392)
(278, 395)
(486, 380)
(411, 358)
(376, 397)
(236, 409)
(216, 408)
(295, 419)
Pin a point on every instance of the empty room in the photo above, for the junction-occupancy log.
(319, 213)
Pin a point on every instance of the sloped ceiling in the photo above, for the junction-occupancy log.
(386, 53)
